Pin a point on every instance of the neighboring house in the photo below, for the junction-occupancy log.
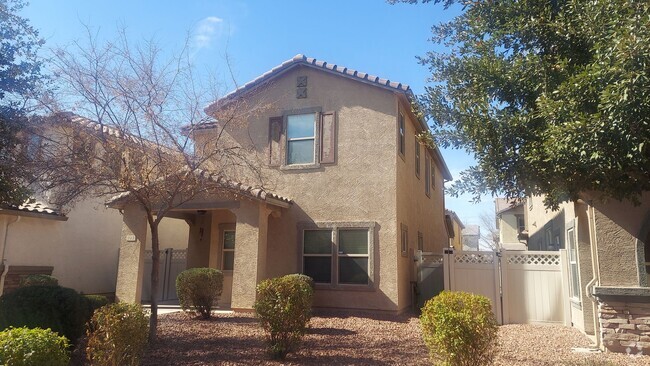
(608, 251)
(455, 228)
(354, 192)
(78, 247)
(511, 223)
(471, 237)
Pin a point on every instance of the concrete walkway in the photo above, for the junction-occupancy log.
(175, 308)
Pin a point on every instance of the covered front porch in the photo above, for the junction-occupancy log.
(227, 231)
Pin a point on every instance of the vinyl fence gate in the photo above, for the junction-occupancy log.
(523, 286)
(172, 262)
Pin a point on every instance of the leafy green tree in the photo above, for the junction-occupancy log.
(20, 81)
(551, 97)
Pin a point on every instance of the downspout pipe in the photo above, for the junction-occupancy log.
(2, 258)
(595, 265)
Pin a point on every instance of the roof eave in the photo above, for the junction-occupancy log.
(37, 215)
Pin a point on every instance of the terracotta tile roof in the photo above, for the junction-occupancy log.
(301, 59)
(258, 193)
(33, 206)
(237, 187)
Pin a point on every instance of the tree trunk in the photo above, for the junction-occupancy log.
(155, 272)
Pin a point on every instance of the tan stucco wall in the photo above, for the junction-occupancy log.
(416, 210)
(457, 241)
(83, 250)
(508, 229)
(174, 233)
(361, 186)
(620, 228)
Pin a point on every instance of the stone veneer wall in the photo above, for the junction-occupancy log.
(17, 273)
(625, 325)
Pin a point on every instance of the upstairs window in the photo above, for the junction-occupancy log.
(402, 134)
(427, 175)
(417, 157)
(300, 138)
(432, 173)
(521, 223)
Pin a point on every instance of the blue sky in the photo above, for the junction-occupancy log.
(367, 35)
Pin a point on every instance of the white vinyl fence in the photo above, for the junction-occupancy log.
(172, 262)
(523, 286)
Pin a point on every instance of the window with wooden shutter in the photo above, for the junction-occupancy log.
(275, 141)
(328, 138)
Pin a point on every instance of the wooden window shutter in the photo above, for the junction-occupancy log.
(275, 141)
(328, 138)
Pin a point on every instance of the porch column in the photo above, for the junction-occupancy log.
(131, 256)
(250, 253)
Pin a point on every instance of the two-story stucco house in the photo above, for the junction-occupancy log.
(352, 193)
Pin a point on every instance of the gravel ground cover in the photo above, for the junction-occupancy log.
(360, 339)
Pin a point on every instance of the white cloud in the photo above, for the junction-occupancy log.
(206, 30)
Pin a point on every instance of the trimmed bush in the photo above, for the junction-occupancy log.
(38, 280)
(283, 308)
(117, 335)
(61, 309)
(33, 347)
(96, 301)
(459, 329)
(198, 290)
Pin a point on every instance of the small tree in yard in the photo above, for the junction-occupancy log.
(283, 307)
(459, 329)
(143, 109)
(198, 289)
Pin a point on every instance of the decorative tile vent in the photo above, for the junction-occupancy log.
(475, 258)
(537, 259)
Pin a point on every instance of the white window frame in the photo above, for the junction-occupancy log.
(335, 227)
(309, 138)
(427, 175)
(572, 254)
(224, 250)
(404, 240)
(432, 173)
(521, 226)
(401, 134)
(323, 255)
(417, 157)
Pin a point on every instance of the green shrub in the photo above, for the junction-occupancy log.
(38, 280)
(33, 347)
(198, 290)
(117, 335)
(459, 329)
(96, 301)
(61, 309)
(283, 308)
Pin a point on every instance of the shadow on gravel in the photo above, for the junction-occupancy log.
(331, 331)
